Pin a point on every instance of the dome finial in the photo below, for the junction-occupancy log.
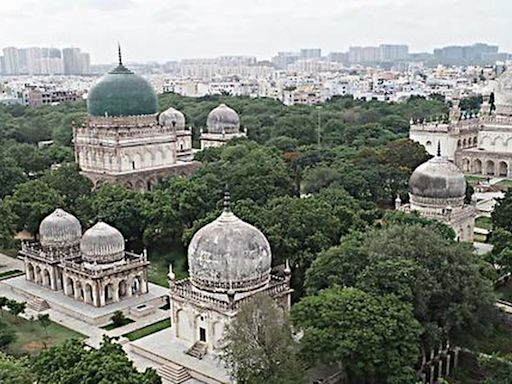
(227, 199)
(439, 148)
(119, 54)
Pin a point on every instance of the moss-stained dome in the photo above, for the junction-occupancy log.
(121, 93)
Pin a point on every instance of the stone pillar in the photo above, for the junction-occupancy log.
(64, 284)
(115, 293)
(102, 295)
(77, 291)
(129, 283)
(95, 298)
(27, 270)
(53, 279)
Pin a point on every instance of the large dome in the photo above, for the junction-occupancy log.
(223, 120)
(60, 229)
(437, 178)
(121, 93)
(229, 254)
(173, 118)
(503, 93)
(102, 243)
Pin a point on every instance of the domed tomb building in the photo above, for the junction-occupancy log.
(92, 268)
(480, 144)
(125, 140)
(222, 125)
(437, 189)
(229, 262)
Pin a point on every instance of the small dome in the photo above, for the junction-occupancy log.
(102, 243)
(173, 118)
(121, 93)
(229, 253)
(437, 178)
(503, 93)
(223, 120)
(60, 229)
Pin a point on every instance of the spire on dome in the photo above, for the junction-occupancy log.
(119, 54)
(227, 200)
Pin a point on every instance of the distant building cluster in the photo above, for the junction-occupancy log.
(44, 61)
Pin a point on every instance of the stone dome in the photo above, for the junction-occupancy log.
(121, 93)
(173, 118)
(102, 243)
(229, 254)
(437, 178)
(503, 93)
(60, 229)
(223, 120)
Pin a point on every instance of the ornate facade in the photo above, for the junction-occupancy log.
(229, 262)
(223, 124)
(437, 191)
(479, 144)
(125, 140)
(93, 268)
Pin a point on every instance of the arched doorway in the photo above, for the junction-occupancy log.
(109, 293)
(88, 294)
(466, 165)
(70, 287)
(122, 289)
(489, 167)
(477, 166)
(30, 270)
(46, 278)
(137, 285)
(38, 275)
(502, 169)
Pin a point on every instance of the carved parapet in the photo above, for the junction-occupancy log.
(122, 121)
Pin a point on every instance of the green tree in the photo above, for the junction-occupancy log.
(118, 319)
(7, 335)
(44, 321)
(31, 202)
(502, 214)
(10, 176)
(71, 363)
(14, 370)
(498, 370)
(3, 303)
(259, 347)
(7, 226)
(16, 307)
(376, 338)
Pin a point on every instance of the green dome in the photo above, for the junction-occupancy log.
(121, 93)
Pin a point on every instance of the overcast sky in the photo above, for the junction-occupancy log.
(174, 29)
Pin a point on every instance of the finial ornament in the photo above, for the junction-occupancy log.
(119, 54)
(227, 200)
(439, 148)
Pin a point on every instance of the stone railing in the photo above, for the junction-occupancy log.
(131, 261)
(470, 124)
(34, 249)
(122, 121)
(497, 119)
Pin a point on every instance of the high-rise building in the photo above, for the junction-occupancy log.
(34, 60)
(71, 61)
(311, 53)
(84, 63)
(393, 52)
(476, 53)
(283, 59)
(11, 61)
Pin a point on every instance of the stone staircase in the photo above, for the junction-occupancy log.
(198, 350)
(173, 373)
(38, 304)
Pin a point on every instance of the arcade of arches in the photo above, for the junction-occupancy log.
(485, 166)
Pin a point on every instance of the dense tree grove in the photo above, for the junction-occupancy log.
(374, 288)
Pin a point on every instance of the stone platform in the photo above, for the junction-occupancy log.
(98, 316)
(168, 355)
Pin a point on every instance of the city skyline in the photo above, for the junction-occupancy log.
(194, 29)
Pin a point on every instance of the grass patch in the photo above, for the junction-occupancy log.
(148, 330)
(473, 180)
(31, 337)
(480, 238)
(11, 273)
(484, 222)
(12, 252)
(160, 260)
(505, 184)
(111, 326)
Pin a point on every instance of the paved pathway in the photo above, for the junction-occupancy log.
(8, 263)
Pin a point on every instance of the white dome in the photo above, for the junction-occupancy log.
(503, 93)
(102, 243)
(229, 253)
(60, 229)
(173, 118)
(223, 120)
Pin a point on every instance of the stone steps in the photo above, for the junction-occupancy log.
(173, 373)
(37, 304)
(198, 350)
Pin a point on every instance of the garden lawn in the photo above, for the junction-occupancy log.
(148, 330)
(160, 260)
(505, 184)
(31, 337)
(483, 222)
(473, 180)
